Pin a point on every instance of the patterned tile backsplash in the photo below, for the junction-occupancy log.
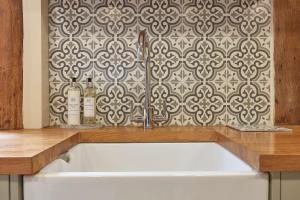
(211, 60)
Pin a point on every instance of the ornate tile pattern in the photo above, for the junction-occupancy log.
(211, 60)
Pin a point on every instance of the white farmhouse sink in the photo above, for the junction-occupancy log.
(151, 171)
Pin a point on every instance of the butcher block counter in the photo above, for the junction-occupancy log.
(25, 152)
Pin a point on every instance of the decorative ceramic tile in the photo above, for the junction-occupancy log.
(251, 17)
(204, 59)
(164, 94)
(113, 103)
(183, 35)
(116, 17)
(204, 17)
(69, 17)
(226, 30)
(182, 76)
(115, 58)
(249, 104)
(210, 59)
(160, 17)
(204, 105)
(165, 58)
(136, 74)
(58, 103)
(249, 59)
(70, 58)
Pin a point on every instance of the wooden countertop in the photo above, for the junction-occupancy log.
(27, 151)
(264, 151)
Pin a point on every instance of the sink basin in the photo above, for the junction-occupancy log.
(152, 171)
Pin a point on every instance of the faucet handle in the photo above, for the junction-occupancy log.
(137, 114)
(134, 117)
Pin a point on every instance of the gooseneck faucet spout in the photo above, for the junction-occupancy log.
(143, 56)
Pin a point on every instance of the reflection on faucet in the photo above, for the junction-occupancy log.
(143, 56)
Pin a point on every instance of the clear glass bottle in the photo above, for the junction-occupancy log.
(89, 107)
(74, 103)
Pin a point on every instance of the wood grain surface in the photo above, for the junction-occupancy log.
(11, 47)
(287, 61)
(264, 151)
(137, 134)
(28, 151)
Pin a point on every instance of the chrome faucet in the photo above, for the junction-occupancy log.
(143, 56)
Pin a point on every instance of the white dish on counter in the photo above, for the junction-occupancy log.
(147, 171)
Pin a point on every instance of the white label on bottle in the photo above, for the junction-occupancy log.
(74, 107)
(89, 107)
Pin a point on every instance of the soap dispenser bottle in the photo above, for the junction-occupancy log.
(73, 103)
(89, 101)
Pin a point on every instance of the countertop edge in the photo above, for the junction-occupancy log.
(27, 165)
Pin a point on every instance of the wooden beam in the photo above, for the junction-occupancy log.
(11, 48)
(287, 61)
